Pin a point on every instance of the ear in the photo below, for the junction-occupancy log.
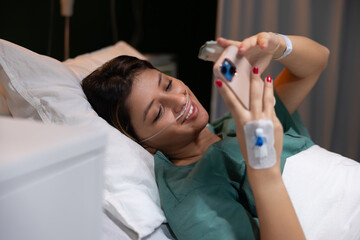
(150, 149)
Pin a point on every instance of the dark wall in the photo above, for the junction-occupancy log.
(156, 26)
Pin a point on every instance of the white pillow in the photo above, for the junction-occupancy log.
(4, 110)
(84, 64)
(39, 87)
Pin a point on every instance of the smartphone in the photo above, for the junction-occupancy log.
(234, 70)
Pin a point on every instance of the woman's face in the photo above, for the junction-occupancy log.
(155, 101)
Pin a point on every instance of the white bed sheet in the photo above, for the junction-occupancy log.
(115, 230)
(324, 188)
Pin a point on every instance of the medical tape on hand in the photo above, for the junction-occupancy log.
(180, 115)
(259, 136)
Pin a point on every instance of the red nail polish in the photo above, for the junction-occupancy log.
(218, 83)
(268, 79)
(255, 70)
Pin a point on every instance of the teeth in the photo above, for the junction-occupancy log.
(190, 112)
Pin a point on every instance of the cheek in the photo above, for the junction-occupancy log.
(175, 134)
(203, 117)
(146, 131)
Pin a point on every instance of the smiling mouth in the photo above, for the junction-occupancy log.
(190, 112)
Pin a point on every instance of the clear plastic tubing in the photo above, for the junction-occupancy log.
(180, 115)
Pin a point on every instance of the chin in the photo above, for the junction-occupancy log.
(203, 116)
(202, 120)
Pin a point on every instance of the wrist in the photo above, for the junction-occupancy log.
(288, 49)
(266, 174)
(281, 48)
(264, 178)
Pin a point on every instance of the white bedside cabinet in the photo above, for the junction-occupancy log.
(51, 181)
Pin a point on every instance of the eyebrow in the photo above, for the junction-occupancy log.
(151, 103)
(160, 78)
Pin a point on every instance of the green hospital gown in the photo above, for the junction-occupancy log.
(212, 198)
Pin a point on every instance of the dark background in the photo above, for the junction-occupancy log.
(156, 26)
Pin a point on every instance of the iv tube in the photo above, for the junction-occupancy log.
(180, 115)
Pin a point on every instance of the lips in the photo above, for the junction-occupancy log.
(190, 112)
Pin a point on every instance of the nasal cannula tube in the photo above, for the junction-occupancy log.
(180, 115)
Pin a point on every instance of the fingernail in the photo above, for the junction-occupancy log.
(268, 79)
(255, 70)
(218, 83)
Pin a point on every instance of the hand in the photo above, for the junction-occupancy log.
(258, 49)
(261, 106)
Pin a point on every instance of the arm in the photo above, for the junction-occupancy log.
(276, 214)
(277, 217)
(303, 67)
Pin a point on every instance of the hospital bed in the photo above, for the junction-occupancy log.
(323, 186)
(51, 181)
(40, 88)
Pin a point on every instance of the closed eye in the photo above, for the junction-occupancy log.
(169, 86)
(158, 115)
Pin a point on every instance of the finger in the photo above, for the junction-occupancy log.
(247, 44)
(256, 94)
(223, 42)
(231, 101)
(268, 98)
(263, 40)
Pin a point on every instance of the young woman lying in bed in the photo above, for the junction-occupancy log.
(208, 189)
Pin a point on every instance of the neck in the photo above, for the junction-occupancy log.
(194, 150)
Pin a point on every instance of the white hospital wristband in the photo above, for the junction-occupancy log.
(288, 47)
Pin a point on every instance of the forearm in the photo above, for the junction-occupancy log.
(276, 214)
(307, 57)
(303, 67)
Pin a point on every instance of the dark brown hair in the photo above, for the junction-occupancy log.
(108, 87)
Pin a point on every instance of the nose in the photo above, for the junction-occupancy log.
(175, 101)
